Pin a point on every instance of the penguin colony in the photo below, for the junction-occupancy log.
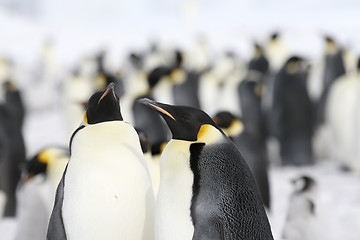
(175, 145)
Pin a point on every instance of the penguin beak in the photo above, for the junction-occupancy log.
(157, 106)
(110, 88)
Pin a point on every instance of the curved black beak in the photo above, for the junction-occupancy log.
(110, 88)
(160, 107)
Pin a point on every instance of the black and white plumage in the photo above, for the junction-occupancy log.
(301, 216)
(206, 188)
(106, 191)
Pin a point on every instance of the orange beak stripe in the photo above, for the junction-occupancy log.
(162, 111)
(104, 94)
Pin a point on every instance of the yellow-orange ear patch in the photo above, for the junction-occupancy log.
(44, 157)
(85, 118)
(203, 130)
(236, 127)
(209, 134)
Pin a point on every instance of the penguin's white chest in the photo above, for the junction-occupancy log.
(172, 217)
(107, 191)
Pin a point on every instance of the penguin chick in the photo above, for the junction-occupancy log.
(206, 188)
(105, 192)
(301, 222)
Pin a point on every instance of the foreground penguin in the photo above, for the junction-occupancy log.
(105, 192)
(206, 188)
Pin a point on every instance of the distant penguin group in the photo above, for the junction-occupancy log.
(206, 188)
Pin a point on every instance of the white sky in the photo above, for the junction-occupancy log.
(81, 25)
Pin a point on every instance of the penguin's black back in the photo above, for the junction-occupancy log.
(226, 203)
(293, 118)
(293, 104)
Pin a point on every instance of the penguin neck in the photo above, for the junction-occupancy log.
(106, 136)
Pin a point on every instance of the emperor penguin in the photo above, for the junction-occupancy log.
(206, 188)
(105, 191)
(36, 192)
(333, 68)
(292, 114)
(10, 172)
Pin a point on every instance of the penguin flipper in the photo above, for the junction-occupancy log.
(56, 229)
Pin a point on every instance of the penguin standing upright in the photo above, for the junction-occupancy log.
(34, 201)
(276, 52)
(333, 69)
(105, 192)
(206, 188)
(300, 221)
(36, 192)
(185, 89)
(293, 114)
(10, 171)
(343, 122)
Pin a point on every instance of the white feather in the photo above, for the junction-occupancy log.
(107, 193)
(172, 218)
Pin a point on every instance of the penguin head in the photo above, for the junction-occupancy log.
(103, 106)
(304, 184)
(294, 65)
(231, 125)
(274, 36)
(156, 74)
(330, 45)
(257, 51)
(39, 163)
(185, 123)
